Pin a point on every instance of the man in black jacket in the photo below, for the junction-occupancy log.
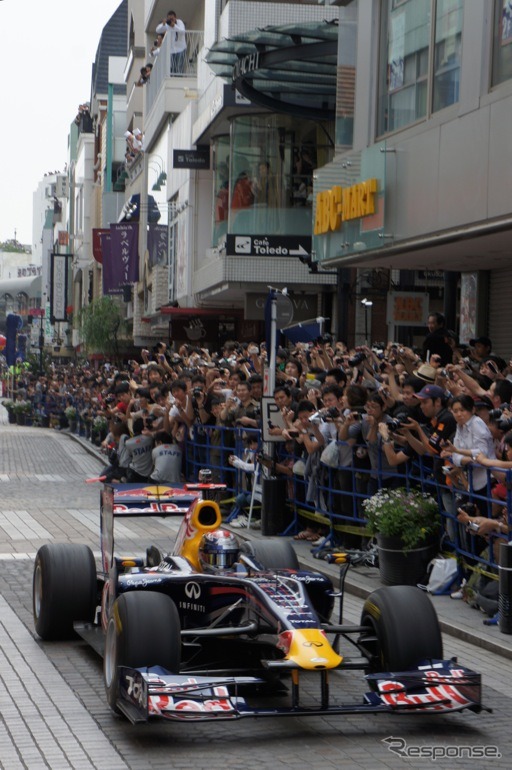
(436, 340)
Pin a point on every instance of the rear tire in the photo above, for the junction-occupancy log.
(143, 631)
(64, 589)
(405, 624)
(274, 554)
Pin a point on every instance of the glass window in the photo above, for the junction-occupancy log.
(9, 304)
(22, 302)
(405, 40)
(271, 166)
(405, 61)
(447, 53)
(220, 188)
(173, 250)
(502, 44)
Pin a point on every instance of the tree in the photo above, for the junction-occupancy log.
(100, 324)
(14, 246)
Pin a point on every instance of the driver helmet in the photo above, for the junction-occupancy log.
(218, 550)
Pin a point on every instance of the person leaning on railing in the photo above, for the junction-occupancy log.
(472, 438)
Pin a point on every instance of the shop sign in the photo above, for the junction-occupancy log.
(192, 159)
(269, 245)
(249, 63)
(305, 306)
(341, 204)
(59, 266)
(406, 308)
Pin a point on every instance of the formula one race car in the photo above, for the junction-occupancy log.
(222, 628)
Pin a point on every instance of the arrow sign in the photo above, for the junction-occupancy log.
(268, 245)
(300, 252)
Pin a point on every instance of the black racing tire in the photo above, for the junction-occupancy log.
(64, 589)
(274, 554)
(143, 630)
(404, 628)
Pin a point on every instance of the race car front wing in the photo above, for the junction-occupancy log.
(438, 687)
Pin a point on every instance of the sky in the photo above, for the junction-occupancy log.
(47, 49)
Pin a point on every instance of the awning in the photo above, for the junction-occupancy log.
(288, 68)
(307, 331)
(131, 210)
(29, 285)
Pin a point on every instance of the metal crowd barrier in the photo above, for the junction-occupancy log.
(334, 496)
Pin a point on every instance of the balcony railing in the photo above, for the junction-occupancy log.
(167, 64)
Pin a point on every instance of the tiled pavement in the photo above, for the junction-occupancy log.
(42, 722)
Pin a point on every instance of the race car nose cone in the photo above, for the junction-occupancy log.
(309, 648)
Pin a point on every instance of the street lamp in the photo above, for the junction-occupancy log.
(367, 304)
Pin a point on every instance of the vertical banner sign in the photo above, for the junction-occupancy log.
(124, 255)
(107, 264)
(59, 287)
(157, 244)
(97, 232)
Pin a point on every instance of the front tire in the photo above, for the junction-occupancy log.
(64, 589)
(404, 629)
(143, 630)
(274, 554)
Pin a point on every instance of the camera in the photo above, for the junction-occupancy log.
(197, 391)
(469, 508)
(316, 418)
(332, 412)
(496, 415)
(473, 526)
(357, 359)
(397, 422)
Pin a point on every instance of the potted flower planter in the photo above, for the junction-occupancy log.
(406, 525)
(398, 566)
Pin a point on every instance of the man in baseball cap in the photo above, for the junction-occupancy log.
(482, 347)
(432, 391)
(440, 425)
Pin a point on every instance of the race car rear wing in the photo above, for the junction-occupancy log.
(136, 500)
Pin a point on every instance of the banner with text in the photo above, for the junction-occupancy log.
(121, 261)
(59, 287)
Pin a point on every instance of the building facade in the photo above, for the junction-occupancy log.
(424, 190)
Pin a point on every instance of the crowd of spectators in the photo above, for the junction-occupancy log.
(382, 408)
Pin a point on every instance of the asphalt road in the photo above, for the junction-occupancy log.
(53, 711)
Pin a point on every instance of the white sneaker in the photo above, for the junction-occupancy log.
(241, 522)
(459, 594)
